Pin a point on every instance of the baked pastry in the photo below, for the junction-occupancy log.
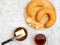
(36, 20)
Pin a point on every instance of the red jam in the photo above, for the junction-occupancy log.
(40, 39)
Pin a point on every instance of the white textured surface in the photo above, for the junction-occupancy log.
(11, 16)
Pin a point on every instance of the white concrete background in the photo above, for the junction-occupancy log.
(11, 17)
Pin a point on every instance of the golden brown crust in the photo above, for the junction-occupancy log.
(31, 11)
(51, 14)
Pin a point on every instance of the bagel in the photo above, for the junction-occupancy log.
(31, 7)
(37, 3)
(50, 13)
(32, 14)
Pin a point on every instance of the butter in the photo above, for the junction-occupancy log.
(21, 33)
